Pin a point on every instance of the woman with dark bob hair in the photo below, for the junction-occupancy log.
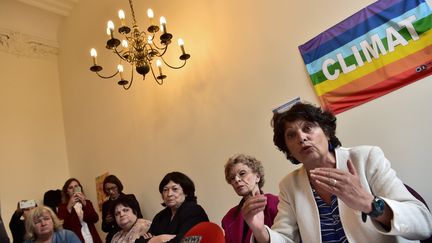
(338, 194)
(113, 189)
(125, 211)
(181, 211)
(324, 119)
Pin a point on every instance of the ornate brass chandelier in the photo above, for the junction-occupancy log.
(139, 49)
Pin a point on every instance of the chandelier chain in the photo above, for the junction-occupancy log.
(133, 12)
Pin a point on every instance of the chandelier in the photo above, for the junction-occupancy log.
(139, 49)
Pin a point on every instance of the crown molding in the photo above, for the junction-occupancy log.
(20, 44)
(59, 7)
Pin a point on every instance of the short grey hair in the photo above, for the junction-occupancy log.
(251, 162)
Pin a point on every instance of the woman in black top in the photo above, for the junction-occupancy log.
(181, 211)
(113, 188)
(17, 223)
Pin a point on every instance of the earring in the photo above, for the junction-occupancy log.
(330, 146)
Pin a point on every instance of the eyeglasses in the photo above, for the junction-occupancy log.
(112, 188)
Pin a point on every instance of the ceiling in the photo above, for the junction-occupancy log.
(60, 7)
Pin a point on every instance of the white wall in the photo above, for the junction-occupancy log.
(33, 156)
(244, 62)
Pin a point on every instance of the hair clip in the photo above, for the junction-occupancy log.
(282, 108)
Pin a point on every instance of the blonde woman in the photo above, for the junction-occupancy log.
(43, 226)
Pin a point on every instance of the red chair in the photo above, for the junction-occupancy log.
(204, 232)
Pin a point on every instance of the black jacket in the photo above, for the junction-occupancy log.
(17, 227)
(188, 215)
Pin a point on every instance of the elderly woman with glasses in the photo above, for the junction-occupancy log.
(246, 176)
(338, 194)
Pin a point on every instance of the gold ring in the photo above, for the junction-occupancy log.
(334, 182)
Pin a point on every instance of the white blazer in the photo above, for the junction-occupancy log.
(298, 214)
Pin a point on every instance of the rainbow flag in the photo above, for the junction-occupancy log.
(377, 50)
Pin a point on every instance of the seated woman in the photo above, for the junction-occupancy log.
(113, 189)
(78, 213)
(125, 211)
(181, 211)
(246, 175)
(17, 222)
(338, 194)
(43, 226)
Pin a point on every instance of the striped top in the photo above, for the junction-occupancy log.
(331, 226)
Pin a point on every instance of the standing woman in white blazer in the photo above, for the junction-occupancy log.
(339, 194)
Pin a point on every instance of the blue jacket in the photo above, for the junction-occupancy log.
(62, 236)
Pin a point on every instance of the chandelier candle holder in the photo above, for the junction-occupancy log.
(138, 48)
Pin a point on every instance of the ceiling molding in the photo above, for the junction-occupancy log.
(60, 7)
(21, 44)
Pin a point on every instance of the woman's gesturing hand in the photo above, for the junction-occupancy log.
(345, 185)
(253, 213)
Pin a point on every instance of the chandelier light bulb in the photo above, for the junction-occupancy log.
(121, 16)
(110, 25)
(150, 39)
(93, 54)
(120, 69)
(159, 65)
(110, 28)
(181, 44)
(163, 24)
(125, 43)
(150, 13)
